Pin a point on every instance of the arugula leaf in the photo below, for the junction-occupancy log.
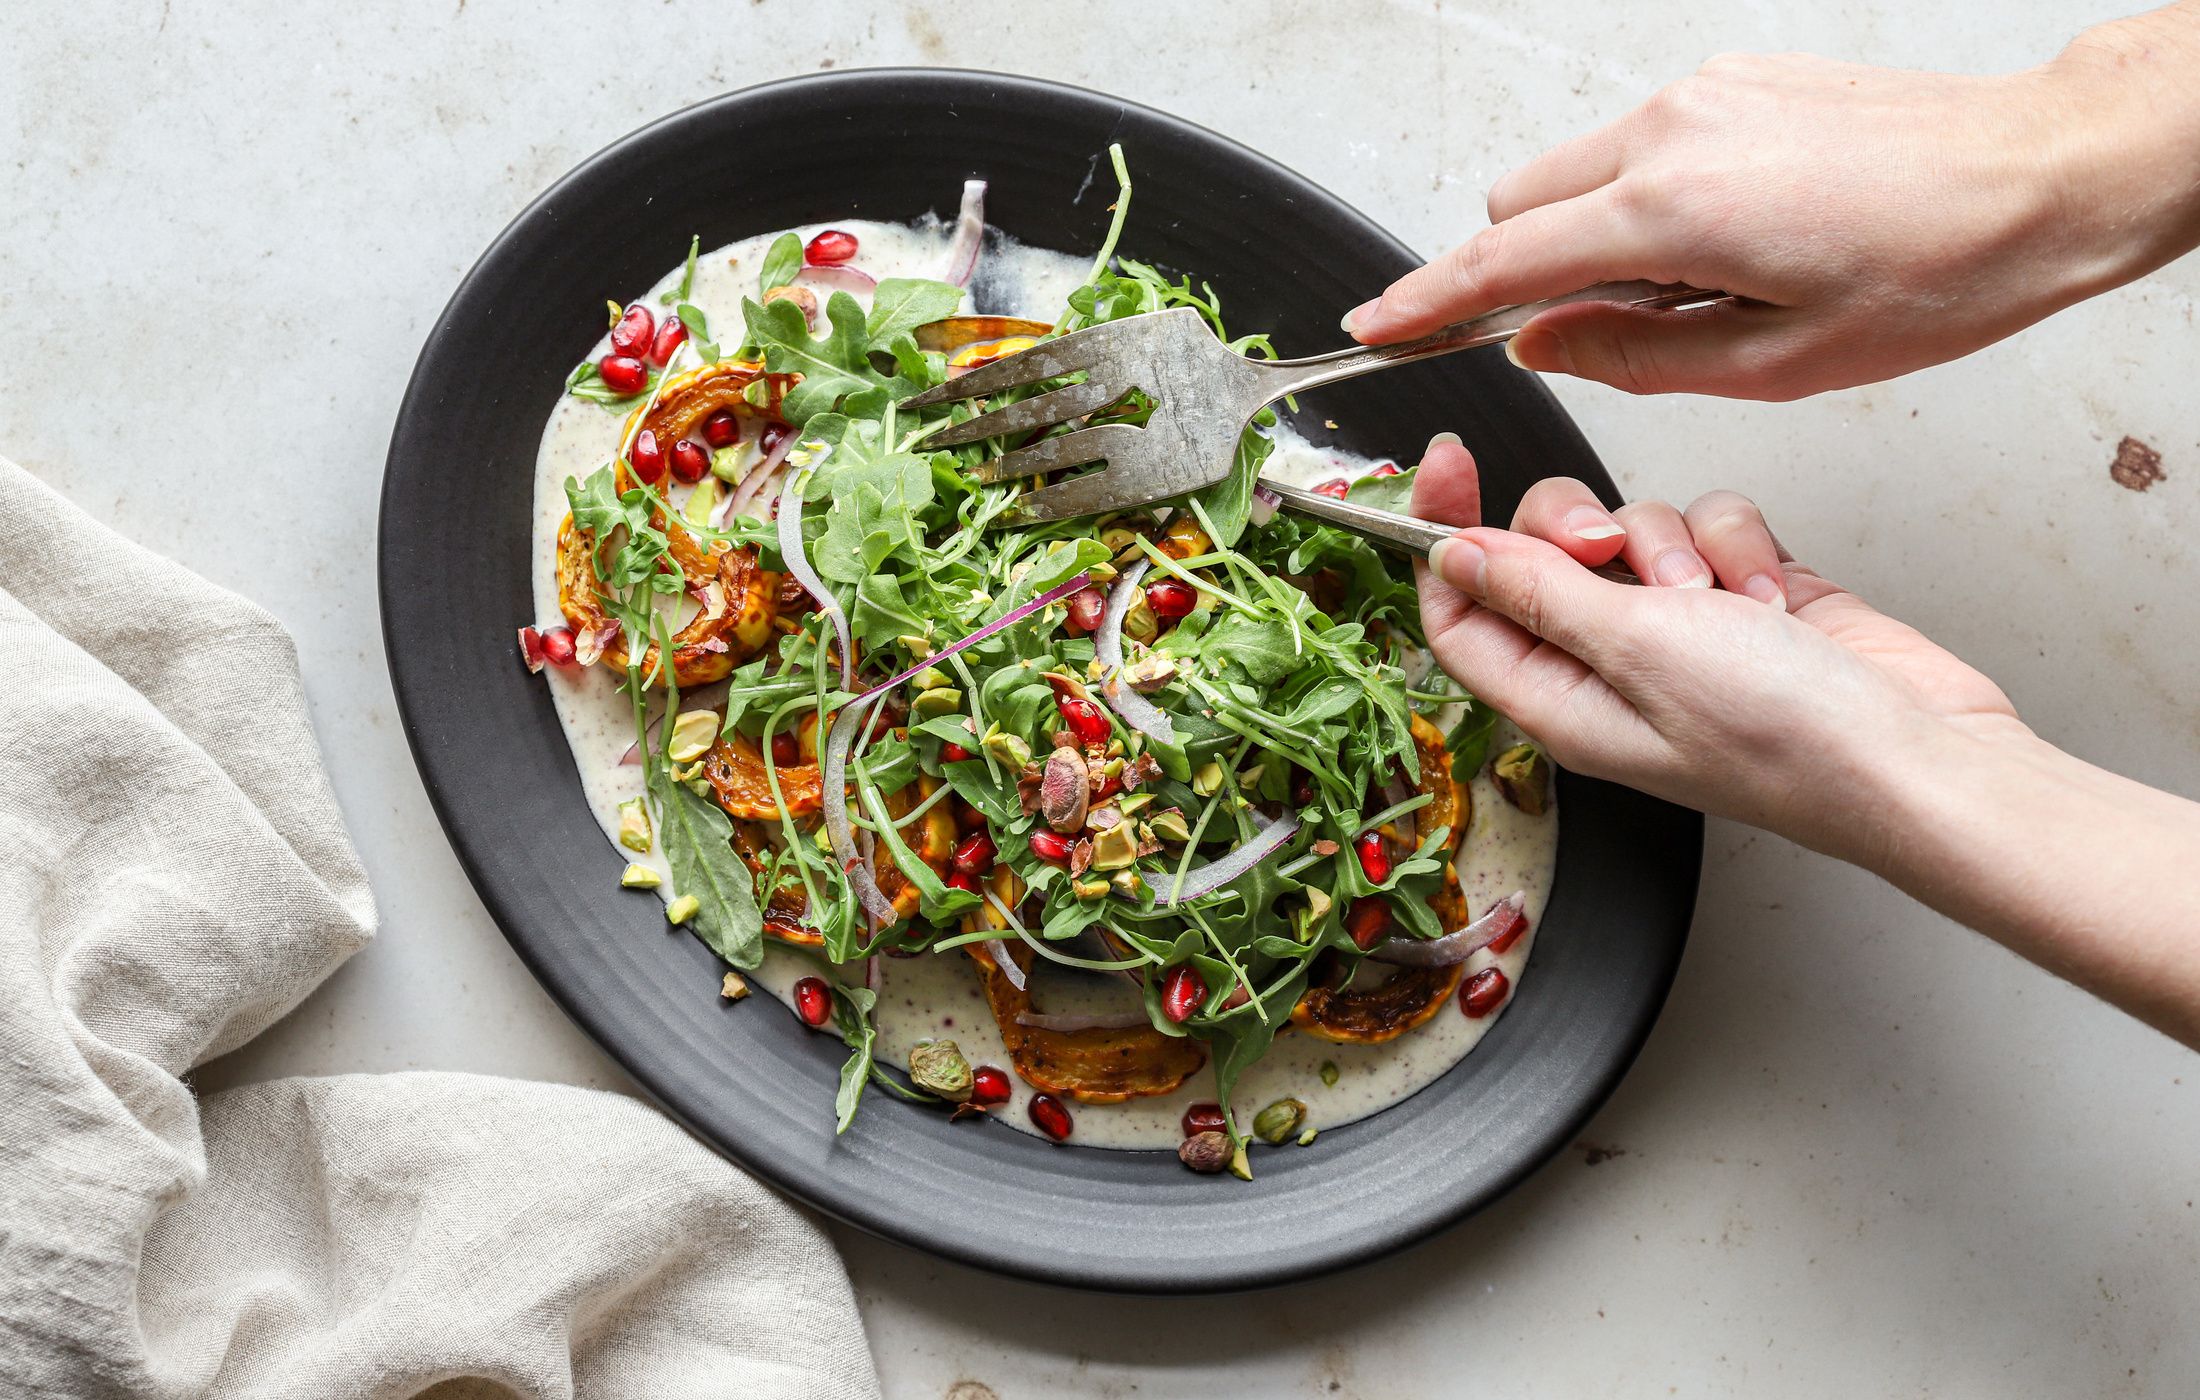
(782, 262)
(870, 518)
(902, 304)
(686, 289)
(1393, 492)
(852, 1008)
(831, 365)
(1261, 647)
(698, 843)
(1469, 740)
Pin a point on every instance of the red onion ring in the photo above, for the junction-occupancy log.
(753, 484)
(1136, 710)
(798, 563)
(962, 253)
(840, 278)
(1264, 505)
(1212, 876)
(1454, 947)
(1001, 950)
(1067, 1021)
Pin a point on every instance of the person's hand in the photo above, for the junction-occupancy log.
(1737, 681)
(1876, 220)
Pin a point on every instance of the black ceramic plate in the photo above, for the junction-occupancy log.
(1285, 256)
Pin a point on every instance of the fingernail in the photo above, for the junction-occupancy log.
(1540, 352)
(1458, 561)
(1680, 568)
(1589, 523)
(1766, 589)
(1441, 440)
(1351, 321)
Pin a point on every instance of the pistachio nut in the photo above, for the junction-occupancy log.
(1205, 1153)
(1523, 777)
(1006, 748)
(634, 825)
(940, 700)
(640, 877)
(938, 1067)
(734, 988)
(692, 735)
(1279, 1120)
(1114, 848)
(682, 909)
(1169, 825)
(1207, 778)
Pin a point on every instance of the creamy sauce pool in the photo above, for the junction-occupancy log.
(932, 997)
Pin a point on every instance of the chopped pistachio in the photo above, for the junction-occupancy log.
(1169, 824)
(617, 312)
(1115, 848)
(692, 735)
(1088, 889)
(1101, 573)
(1318, 900)
(919, 647)
(1249, 778)
(1279, 1120)
(1306, 1139)
(1130, 802)
(1207, 779)
(1206, 1153)
(1239, 1166)
(1140, 622)
(1329, 1073)
(1149, 673)
(1523, 776)
(757, 393)
(940, 700)
(734, 988)
(1006, 748)
(1127, 883)
(701, 502)
(682, 909)
(1117, 539)
(931, 677)
(938, 1067)
(634, 825)
(725, 464)
(640, 877)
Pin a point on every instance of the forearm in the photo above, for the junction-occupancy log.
(2094, 877)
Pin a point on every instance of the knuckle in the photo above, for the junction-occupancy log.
(1476, 264)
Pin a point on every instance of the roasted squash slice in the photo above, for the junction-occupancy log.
(735, 769)
(1372, 1015)
(1092, 1066)
(931, 839)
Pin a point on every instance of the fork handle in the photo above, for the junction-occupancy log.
(1297, 376)
(1404, 534)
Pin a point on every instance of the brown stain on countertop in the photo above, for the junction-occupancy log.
(971, 1390)
(2137, 466)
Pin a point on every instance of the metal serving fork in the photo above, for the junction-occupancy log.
(1205, 395)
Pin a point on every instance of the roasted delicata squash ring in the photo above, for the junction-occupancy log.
(1372, 1015)
(1091, 1066)
(733, 614)
(970, 341)
(785, 906)
(931, 839)
(735, 770)
(689, 398)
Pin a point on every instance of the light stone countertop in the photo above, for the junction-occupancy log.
(1865, 1153)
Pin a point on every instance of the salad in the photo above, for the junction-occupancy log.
(1187, 749)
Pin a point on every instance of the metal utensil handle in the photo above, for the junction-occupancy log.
(1405, 534)
(1297, 376)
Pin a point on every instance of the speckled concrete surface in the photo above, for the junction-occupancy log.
(1865, 1153)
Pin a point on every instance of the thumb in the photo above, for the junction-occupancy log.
(1542, 588)
(1735, 350)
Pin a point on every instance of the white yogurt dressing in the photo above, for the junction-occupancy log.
(930, 997)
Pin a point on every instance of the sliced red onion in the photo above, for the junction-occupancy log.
(840, 278)
(1008, 619)
(1069, 1022)
(750, 486)
(1215, 874)
(1002, 948)
(1136, 710)
(798, 563)
(1394, 792)
(962, 253)
(1454, 947)
(834, 779)
(1264, 505)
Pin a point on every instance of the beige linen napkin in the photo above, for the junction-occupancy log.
(174, 877)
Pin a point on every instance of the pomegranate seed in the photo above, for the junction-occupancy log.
(1183, 991)
(1516, 924)
(670, 337)
(955, 753)
(1484, 993)
(1085, 721)
(647, 458)
(1335, 488)
(722, 429)
(975, 853)
(1367, 921)
(1086, 607)
(773, 435)
(1385, 469)
(786, 751)
(988, 1086)
(1049, 1115)
(1171, 598)
(557, 646)
(813, 1001)
(963, 880)
(1110, 785)
(1374, 858)
(1050, 846)
(1203, 1118)
(634, 331)
(624, 373)
(690, 461)
(530, 649)
(829, 249)
(1302, 787)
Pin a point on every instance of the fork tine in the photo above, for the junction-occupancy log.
(1043, 411)
(1056, 453)
(1048, 359)
(1090, 494)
